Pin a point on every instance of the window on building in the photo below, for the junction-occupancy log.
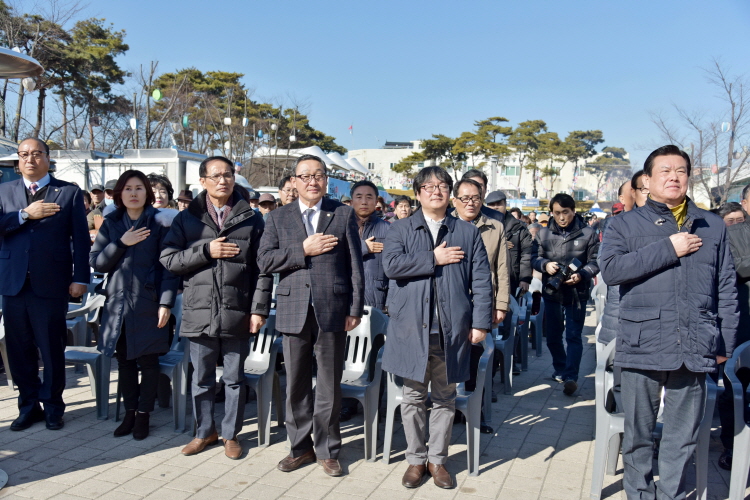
(579, 194)
(510, 170)
(420, 164)
(371, 166)
(392, 165)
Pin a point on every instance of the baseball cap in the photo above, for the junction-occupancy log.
(253, 194)
(266, 197)
(617, 208)
(97, 187)
(345, 198)
(542, 218)
(495, 197)
(110, 185)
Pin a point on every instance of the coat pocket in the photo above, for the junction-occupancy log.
(640, 328)
(707, 336)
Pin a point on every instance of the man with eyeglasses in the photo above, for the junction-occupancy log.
(440, 301)
(467, 198)
(44, 248)
(287, 193)
(640, 192)
(678, 320)
(315, 247)
(213, 245)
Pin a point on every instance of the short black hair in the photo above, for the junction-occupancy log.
(473, 174)
(86, 196)
(516, 210)
(284, 180)
(37, 139)
(156, 179)
(619, 191)
(401, 199)
(310, 157)
(728, 208)
(564, 200)
(745, 192)
(427, 173)
(634, 179)
(203, 168)
(668, 150)
(463, 181)
(364, 183)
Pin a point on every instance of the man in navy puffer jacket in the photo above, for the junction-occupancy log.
(678, 319)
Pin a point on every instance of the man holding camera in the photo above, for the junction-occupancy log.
(565, 253)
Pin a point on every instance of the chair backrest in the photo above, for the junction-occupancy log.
(359, 344)
(262, 346)
(741, 358)
(94, 304)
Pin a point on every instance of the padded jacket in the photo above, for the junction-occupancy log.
(219, 295)
(673, 310)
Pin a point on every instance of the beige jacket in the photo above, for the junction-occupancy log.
(493, 236)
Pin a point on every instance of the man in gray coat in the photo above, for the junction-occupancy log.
(678, 319)
(440, 300)
(214, 246)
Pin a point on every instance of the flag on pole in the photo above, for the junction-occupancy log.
(351, 129)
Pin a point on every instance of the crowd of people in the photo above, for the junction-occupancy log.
(445, 274)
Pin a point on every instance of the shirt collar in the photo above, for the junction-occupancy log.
(317, 207)
(39, 184)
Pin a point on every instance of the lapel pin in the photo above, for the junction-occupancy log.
(329, 215)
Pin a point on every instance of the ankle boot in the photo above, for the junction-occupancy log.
(140, 429)
(126, 427)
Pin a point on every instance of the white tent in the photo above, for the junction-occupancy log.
(596, 209)
(339, 160)
(356, 165)
(334, 164)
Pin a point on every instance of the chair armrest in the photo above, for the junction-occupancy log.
(378, 368)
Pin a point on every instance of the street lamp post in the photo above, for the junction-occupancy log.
(493, 172)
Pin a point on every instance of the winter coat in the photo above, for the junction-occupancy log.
(137, 283)
(493, 236)
(673, 310)
(219, 294)
(610, 319)
(376, 282)
(520, 246)
(553, 245)
(739, 241)
(463, 292)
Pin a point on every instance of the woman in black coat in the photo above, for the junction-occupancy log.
(140, 294)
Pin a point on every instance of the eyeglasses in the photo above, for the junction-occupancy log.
(319, 178)
(470, 199)
(643, 190)
(25, 155)
(288, 190)
(430, 188)
(228, 177)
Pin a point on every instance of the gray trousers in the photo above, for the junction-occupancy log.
(414, 412)
(205, 353)
(684, 402)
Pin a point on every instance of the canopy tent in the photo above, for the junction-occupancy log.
(16, 65)
(596, 209)
(339, 165)
(357, 166)
(341, 160)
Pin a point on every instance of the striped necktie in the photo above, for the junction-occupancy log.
(33, 188)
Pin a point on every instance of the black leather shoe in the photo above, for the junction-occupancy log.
(346, 414)
(484, 428)
(54, 422)
(26, 420)
(725, 460)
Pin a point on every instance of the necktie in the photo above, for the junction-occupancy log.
(308, 221)
(33, 187)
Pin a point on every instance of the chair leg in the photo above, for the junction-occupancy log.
(601, 444)
(613, 454)
(488, 391)
(91, 369)
(4, 355)
(472, 442)
(179, 392)
(525, 347)
(740, 465)
(103, 366)
(508, 368)
(278, 401)
(117, 401)
(264, 397)
(370, 405)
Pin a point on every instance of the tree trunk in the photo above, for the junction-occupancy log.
(40, 111)
(65, 118)
(19, 106)
(3, 116)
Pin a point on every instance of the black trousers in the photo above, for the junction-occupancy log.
(137, 396)
(306, 415)
(36, 326)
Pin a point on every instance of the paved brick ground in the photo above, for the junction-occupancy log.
(542, 449)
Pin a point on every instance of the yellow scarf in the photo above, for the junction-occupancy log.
(680, 213)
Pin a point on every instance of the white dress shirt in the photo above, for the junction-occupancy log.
(316, 213)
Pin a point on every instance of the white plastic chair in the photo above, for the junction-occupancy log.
(80, 319)
(741, 450)
(506, 347)
(357, 382)
(599, 294)
(468, 403)
(98, 366)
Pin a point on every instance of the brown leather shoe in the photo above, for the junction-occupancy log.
(331, 466)
(413, 476)
(197, 445)
(440, 475)
(232, 448)
(291, 463)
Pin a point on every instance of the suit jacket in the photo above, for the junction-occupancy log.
(335, 279)
(54, 250)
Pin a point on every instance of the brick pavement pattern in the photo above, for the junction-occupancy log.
(542, 449)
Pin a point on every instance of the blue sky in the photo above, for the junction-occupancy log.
(405, 70)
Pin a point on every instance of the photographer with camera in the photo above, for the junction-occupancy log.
(565, 253)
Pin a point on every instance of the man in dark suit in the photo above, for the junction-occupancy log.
(314, 245)
(40, 217)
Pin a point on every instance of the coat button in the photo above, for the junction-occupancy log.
(424, 325)
(307, 285)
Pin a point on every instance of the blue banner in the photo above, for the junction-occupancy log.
(338, 188)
